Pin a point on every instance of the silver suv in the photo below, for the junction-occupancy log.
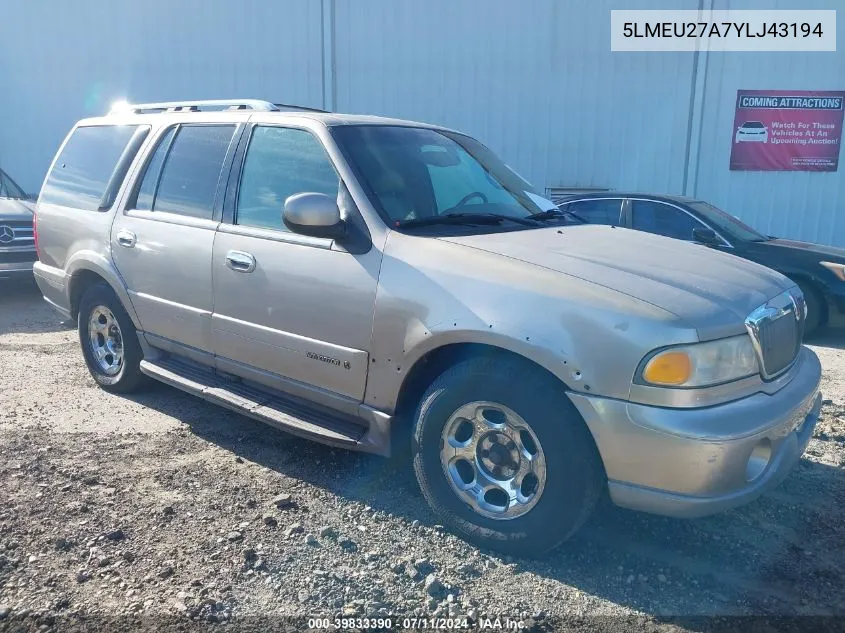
(383, 285)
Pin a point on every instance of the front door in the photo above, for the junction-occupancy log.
(290, 311)
(162, 243)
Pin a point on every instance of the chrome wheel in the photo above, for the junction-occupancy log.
(105, 340)
(493, 460)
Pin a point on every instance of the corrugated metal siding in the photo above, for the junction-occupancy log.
(798, 205)
(534, 80)
(61, 61)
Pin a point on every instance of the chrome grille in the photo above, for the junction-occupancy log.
(776, 330)
(14, 233)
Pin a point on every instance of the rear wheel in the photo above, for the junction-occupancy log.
(503, 457)
(109, 341)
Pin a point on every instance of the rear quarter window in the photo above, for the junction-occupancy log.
(83, 170)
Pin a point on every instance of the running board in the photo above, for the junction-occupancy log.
(286, 413)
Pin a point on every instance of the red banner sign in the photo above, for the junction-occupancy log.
(787, 131)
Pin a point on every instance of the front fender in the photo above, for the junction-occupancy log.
(389, 368)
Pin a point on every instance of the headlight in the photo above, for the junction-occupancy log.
(701, 364)
(836, 269)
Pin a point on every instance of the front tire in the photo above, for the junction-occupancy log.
(503, 457)
(109, 340)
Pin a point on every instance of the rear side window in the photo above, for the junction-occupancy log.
(598, 210)
(184, 172)
(81, 174)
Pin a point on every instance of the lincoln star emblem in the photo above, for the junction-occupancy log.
(6, 234)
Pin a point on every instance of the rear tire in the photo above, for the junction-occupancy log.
(506, 419)
(109, 340)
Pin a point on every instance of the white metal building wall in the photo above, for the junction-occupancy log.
(799, 205)
(534, 80)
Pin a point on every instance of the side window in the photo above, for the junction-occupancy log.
(146, 192)
(82, 171)
(190, 171)
(281, 162)
(598, 210)
(662, 219)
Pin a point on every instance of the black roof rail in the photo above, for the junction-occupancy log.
(299, 107)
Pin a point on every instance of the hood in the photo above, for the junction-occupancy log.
(701, 286)
(829, 252)
(15, 210)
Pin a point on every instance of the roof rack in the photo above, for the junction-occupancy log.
(203, 106)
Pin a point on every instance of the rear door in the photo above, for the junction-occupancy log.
(162, 242)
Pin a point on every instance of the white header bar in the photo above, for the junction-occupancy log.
(717, 31)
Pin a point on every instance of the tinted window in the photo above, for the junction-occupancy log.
(82, 171)
(146, 192)
(281, 162)
(8, 188)
(662, 219)
(415, 173)
(597, 211)
(191, 170)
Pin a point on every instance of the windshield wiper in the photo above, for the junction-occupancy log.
(487, 219)
(552, 214)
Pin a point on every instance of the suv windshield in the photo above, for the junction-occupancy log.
(417, 175)
(728, 223)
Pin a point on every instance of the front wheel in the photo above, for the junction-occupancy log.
(504, 458)
(109, 341)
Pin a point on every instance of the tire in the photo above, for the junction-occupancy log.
(552, 507)
(816, 312)
(117, 368)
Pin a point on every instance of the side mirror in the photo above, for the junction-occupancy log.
(707, 237)
(314, 214)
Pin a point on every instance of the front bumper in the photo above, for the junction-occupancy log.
(659, 460)
(10, 270)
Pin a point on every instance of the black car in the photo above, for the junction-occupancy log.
(818, 270)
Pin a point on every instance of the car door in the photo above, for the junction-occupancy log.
(661, 218)
(290, 311)
(596, 210)
(162, 242)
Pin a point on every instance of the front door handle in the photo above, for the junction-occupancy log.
(240, 262)
(126, 238)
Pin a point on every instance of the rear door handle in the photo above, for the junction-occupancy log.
(240, 262)
(126, 238)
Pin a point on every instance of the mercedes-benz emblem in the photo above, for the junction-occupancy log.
(7, 234)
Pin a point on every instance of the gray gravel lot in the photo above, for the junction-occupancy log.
(160, 505)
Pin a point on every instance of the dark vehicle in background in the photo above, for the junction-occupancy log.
(17, 244)
(818, 270)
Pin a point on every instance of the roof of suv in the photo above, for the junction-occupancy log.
(238, 110)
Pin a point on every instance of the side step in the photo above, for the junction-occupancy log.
(289, 414)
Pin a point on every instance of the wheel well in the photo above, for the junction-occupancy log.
(814, 287)
(79, 283)
(435, 362)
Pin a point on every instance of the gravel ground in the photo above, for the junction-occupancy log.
(160, 510)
